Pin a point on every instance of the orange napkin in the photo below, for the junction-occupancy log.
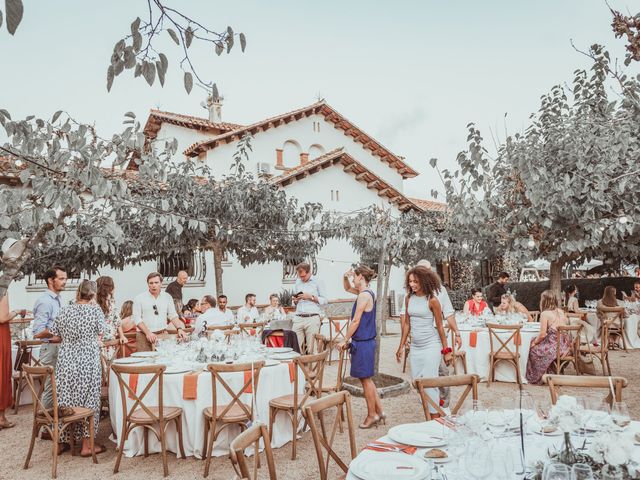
(190, 386)
(247, 377)
(336, 325)
(133, 384)
(252, 332)
(292, 371)
(517, 338)
(446, 423)
(473, 339)
(378, 446)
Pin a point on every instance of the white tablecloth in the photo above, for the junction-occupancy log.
(478, 356)
(535, 449)
(25, 396)
(631, 331)
(274, 382)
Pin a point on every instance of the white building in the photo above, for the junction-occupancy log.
(315, 154)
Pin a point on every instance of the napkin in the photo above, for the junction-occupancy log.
(378, 446)
(446, 423)
(473, 338)
(275, 341)
(190, 386)
(133, 384)
(247, 377)
(292, 371)
(336, 325)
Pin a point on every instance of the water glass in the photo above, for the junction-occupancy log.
(478, 463)
(581, 471)
(556, 471)
(620, 414)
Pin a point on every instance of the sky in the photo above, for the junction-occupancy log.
(411, 73)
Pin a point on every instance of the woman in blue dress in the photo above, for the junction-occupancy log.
(361, 340)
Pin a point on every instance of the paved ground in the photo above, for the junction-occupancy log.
(401, 409)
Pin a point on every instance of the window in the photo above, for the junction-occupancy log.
(316, 126)
(74, 277)
(291, 154)
(316, 151)
(191, 262)
(332, 195)
(337, 196)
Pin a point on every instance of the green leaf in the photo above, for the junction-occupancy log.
(243, 42)
(137, 42)
(219, 48)
(173, 35)
(130, 115)
(135, 26)
(14, 10)
(164, 62)
(149, 72)
(160, 71)
(56, 116)
(188, 36)
(188, 82)
(433, 162)
(110, 77)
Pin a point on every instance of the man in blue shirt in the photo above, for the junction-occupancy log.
(45, 311)
(309, 298)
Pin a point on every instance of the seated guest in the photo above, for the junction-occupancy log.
(126, 318)
(508, 304)
(248, 313)
(544, 347)
(589, 332)
(608, 300)
(274, 311)
(571, 298)
(476, 305)
(191, 310)
(229, 317)
(635, 293)
(210, 315)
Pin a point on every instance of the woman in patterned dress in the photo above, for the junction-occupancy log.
(543, 351)
(78, 370)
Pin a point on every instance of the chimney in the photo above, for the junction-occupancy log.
(214, 105)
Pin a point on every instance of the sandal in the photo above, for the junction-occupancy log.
(101, 448)
(7, 424)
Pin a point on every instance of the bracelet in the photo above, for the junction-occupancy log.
(446, 350)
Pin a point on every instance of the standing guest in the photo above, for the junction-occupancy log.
(78, 370)
(544, 347)
(274, 311)
(175, 288)
(571, 298)
(310, 296)
(229, 317)
(107, 303)
(45, 310)
(210, 315)
(497, 289)
(428, 339)
(151, 311)
(476, 305)
(248, 313)
(360, 338)
(5, 358)
(508, 304)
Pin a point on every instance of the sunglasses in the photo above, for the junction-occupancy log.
(155, 310)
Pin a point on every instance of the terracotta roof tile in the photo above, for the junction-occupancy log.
(157, 117)
(430, 205)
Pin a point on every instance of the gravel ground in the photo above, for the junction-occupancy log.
(402, 409)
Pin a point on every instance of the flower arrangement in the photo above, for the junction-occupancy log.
(566, 414)
(610, 448)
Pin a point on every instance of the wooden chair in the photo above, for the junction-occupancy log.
(573, 332)
(503, 353)
(249, 437)
(111, 350)
(407, 349)
(50, 419)
(470, 381)
(601, 352)
(576, 318)
(129, 347)
(457, 355)
(616, 319)
(270, 340)
(236, 412)
(573, 381)
(322, 344)
(140, 414)
(337, 333)
(323, 441)
(535, 314)
(211, 328)
(312, 367)
(252, 328)
(23, 357)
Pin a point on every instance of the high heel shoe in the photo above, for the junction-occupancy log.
(373, 423)
(383, 418)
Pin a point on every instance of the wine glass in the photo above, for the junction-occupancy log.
(457, 446)
(525, 404)
(620, 414)
(556, 471)
(581, 471)
(504, 462)
(478, 464)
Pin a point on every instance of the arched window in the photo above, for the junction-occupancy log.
(316, 151)
(291, 154)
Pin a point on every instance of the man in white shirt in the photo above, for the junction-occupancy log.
(210, 315)
(308, 297)
(229, 317)
(248, 313)
(151, 311)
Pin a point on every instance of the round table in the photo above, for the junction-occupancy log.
(274, 382)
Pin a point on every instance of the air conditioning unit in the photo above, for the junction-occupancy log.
(264, 169)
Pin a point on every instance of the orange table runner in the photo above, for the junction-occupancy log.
(190, 386)
(473, 339)
(133, 384)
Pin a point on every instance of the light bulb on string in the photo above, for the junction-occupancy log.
(229, 232)
(465, 245)
(531, 243)
(623, 219)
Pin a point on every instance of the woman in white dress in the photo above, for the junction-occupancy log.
(424, 322)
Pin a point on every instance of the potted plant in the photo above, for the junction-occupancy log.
(286, 300)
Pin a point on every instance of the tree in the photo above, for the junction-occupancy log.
(136, 50)
(628, 26)
(563, 190)
(388, 239)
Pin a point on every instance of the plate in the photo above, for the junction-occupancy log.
(389, 465)
(172, 369)
(128, 360)
(279, 349)
(271, 363)
(285, 356)
(145, 354)
(538, 430)
(425, 434)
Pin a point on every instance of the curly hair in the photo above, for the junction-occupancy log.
(428, 280)
(105, 293)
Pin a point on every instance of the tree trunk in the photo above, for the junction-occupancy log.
(218, 254)
(385, 297)
(379, 304)
(555, 276)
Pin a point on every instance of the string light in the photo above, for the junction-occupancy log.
(623, 219)
(531, 243)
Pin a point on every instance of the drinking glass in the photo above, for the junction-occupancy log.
(556, 471)
(609, 472)
(581, 471)
(457, 446)
(620, 414)
(504, 462)
(478, 463)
